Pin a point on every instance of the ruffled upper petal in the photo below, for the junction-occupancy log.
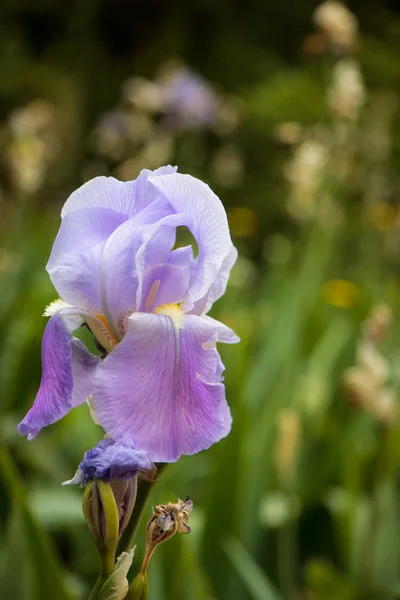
(68, 370)
(160, 388)
(207, 222)
(127, 198)
(218, 288)
(109, 460)
(74, 264)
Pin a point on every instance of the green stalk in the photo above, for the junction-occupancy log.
(143, 493)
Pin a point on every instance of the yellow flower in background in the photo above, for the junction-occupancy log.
(383, 216)
(340, 293)
(287, 444)
(242, 221)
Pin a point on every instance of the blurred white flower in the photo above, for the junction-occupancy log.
(143, 94)
(34, 146)
(346, 94)
(305, 173)
(367, 383)
(338, 23)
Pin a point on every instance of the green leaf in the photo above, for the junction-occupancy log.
(29, 546)
(256, 581)
(116, 587)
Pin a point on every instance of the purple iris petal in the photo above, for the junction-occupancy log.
(109, 460)
(218, 288)
(127, 198)
(209, 226)
(164, 284)
(68, 371)
(160, 387)
(74, 264)
(124, 263)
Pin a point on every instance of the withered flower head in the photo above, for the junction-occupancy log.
(166, 520)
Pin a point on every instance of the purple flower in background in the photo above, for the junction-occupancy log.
(114, 265)
(188, 99)
(109, 460)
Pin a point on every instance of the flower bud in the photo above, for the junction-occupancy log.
(101, 514)
(110, 471)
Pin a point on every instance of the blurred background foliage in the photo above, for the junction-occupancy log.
(291, 113)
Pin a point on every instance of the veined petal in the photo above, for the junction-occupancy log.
(209, 225)
(68, 370)
(160, 388)
(127, 198)
(74, 264)
(218, 288)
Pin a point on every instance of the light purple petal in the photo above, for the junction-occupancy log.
(181, 256)
(164, 284)
(224, 334)
(109, 460)
(140, 243)
(74, 264)
(145, 193)
(68, 370)
(127, 198)
(160, 389)
(218, 288)
(209, 226)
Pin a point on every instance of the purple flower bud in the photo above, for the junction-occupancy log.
(109, 460)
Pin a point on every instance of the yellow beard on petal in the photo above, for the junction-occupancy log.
(174, 312)
(106, 325)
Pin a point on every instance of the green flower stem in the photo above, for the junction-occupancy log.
(139, 588)
(143, 493)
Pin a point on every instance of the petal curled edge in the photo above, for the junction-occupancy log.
(68, 370)
(209, 225)
(160, 389)
(127, 198)
(218, 288)
(109, 460)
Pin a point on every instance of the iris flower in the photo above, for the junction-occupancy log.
(158, 385)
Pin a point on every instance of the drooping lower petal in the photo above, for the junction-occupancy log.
(160, 388)
(68, 371)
